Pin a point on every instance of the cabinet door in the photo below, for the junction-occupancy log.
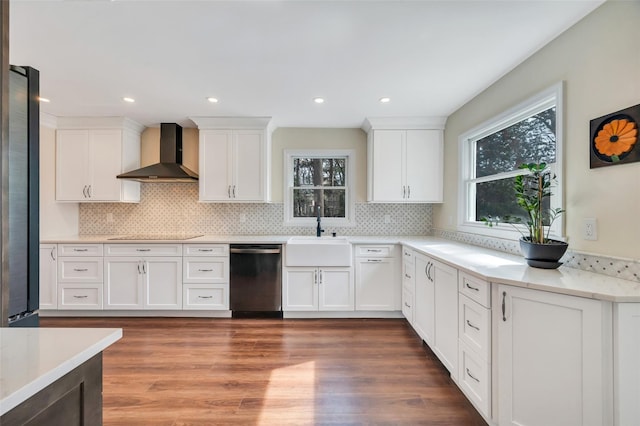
(423, 165)
(48, 277)
(423, 302)
(377, 284)
(72, 165)
(248, 165)
(123, 283)
(335, 289)
(626, 353)
(551, 359)
(105, 160)
(300, 289)
(162, 280)
(388, 179)
(446, 315)
(215, 165)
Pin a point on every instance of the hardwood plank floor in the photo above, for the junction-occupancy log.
(200, 371)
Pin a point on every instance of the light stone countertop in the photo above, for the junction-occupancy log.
(33, 358)
(490, 265)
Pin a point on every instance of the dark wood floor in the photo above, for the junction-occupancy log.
(176, 371)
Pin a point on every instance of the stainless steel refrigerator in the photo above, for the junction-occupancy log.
(23, 197)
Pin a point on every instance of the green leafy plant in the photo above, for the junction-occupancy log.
(531, 191)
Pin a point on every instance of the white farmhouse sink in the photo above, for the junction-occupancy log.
(314, 251)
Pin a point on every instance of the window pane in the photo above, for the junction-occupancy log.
(334, 203)
(530, 140)
(498, 199)
(331, 202)
(334, 171)
(307, 171)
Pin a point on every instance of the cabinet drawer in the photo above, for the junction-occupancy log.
(408, 255)
(474, 379)
(143, 249)
(407, 305)
(474, 326)
(79, 250)
(408, 271)
(206, 249)
(80, 296)
(205, 270)
(476, 289)
(80, 269)
(385, 250)
(209, 297)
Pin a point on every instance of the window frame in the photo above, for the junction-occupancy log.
(350, 160)
(545, 99)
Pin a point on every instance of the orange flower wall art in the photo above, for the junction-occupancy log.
(614, 138)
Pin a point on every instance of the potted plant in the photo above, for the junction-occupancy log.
(532, 190)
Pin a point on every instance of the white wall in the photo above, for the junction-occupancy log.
(56, 219)
(599, 61)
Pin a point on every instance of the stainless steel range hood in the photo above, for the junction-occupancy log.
(170, 168)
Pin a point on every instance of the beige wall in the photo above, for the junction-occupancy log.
(599, 61)
(308, 138)
(56, 219)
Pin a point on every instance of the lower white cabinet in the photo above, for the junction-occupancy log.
(143, 283)
(205, 296)
(378, 286)
(626, 352)
(553, 359)
(317, 289)
(48, 276)
(79, 276)
(445, 280)
(424, 300)
(408, 284)
(83, 296)
(205, 279)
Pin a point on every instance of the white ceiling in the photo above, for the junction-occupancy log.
(271, 58)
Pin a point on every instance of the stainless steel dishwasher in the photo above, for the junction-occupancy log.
(255, 280)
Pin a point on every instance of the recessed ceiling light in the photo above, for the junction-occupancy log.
(213, 100)
(318, 100)
(41, 99)
(385, 100)
(130, 100)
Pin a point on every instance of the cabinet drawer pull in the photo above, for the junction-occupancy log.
(374, 260)
(407, 254)
(407, 305)
(504, 296)
(143, 249)
(77, 249)
(471, 375)
(80, 297)
(205, 297)
(374, 251)
(80, 269)
(472, 326)
(471, 287)
(205, 270)
(205, 249)
(407, 276)
(52, 254)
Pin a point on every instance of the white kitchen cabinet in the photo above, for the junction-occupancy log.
(318, 289)
(234, 159)
(405, 166)
(79, 276)
(378, 287)
(553, 359)
(626, 352)
(205, 277)
(445, 280)
(424, 300)
(90, 153)
(408, 284)
(142, 276)
(48, 276)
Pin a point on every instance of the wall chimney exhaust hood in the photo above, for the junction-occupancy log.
(170, 168)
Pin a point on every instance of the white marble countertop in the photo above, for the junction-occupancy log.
(33, 358)
(503, 268)
(491, 265)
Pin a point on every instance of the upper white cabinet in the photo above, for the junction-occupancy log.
(234, 159)
(405, 161)
(90, 153)
(553, 358)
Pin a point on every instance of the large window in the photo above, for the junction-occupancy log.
(493, 152)
(318, 181)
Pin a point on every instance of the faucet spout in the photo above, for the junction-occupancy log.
(319, 229)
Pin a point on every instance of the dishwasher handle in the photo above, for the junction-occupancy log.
(254, 251)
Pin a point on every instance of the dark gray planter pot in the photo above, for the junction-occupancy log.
(544, 256)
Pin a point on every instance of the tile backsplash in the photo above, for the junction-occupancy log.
(174, 208)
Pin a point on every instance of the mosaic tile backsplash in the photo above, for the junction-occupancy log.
(174, 208)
